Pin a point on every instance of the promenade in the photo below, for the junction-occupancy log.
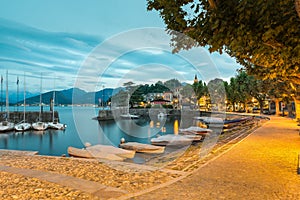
(262, 166)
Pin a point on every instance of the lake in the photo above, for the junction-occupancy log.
(81, 128)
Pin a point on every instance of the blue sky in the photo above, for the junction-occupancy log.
(91, 44)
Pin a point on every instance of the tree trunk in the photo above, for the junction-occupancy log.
(297, 106)
(297, 5)
(277, 107)
(261, 105)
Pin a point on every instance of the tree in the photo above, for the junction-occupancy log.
(217, 92)
(263, 36)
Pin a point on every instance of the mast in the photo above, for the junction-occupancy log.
(1, 93)
(24, 114)
(7, 99)
(17, 93)
(40, 114)
(53, 102)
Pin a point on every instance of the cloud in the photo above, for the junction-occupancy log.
(85, 61)
(23, 48)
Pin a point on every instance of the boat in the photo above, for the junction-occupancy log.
(55, 123)
(23, 125)
(39, 125)
(142, 148)
(171, 140)
(101, 152)
(6, 125)
(195, 130)
(129, 116)
(161, 115)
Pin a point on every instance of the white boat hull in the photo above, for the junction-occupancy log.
(6, 126)
(40, 126)
(57, 126)
(23, 127)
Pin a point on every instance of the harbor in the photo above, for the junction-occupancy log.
(31, 116)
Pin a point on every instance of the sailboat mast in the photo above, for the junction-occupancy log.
(7, 99)
(1, 93)
(53, 104)
(40, 114)
(24, 95)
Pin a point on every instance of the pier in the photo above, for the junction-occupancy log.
(31, 116)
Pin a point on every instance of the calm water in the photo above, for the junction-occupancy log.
(81, 128)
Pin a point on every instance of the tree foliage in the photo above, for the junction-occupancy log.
(263, 36)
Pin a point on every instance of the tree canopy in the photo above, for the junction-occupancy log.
(263, 36)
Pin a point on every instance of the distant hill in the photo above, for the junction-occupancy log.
(71, 96)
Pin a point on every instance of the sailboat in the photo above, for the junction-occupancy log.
(23, 125)
(55, 124)
(40, 126)
(6, 125)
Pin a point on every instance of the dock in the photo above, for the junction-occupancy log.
(31, 116)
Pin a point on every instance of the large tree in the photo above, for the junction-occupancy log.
(259, 34)
(263, 36)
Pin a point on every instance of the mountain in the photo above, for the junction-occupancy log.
(72, 96)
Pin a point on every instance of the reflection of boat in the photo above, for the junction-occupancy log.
(102, 152)
(171, 140)
(142, 148)
(6, 125)
(23, 125)
(195, 130)
(129, 116)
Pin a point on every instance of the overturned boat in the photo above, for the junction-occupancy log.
(101, 152)
(142, 148)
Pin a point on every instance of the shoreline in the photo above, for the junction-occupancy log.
(126, 176)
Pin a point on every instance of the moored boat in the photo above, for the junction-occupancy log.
(22, 126)
(142, 148)
(129, 116)
(40, 126)
(6, 126)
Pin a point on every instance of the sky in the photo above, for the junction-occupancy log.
(94, 45)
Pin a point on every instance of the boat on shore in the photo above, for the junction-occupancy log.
(101, 152)
(195, 130)
(142, 148)
(171, 140)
